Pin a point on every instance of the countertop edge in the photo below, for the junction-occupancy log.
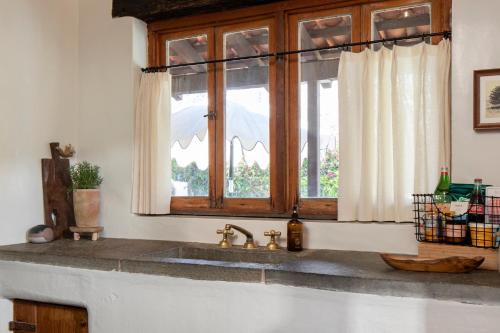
(390, 283)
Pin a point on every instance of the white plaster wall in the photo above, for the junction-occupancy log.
(131, 303)
(38, 100)
(6, 313)
(38, 105)
(111, 53)
(44, 46)
(38, 94)
(107, 92)
(475, 46)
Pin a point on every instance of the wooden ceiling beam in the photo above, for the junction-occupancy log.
(405, 22)
(308, 43)
(330, 31)
(253, 77)
(188, 53)
(260, 40)
(154, 10)
(243, 48)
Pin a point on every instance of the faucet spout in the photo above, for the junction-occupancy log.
(249, 243)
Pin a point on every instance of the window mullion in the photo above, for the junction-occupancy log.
(219, 120)
(212, 120)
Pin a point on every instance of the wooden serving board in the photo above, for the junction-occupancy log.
(442, 265)
(57, 198)
(437, 251)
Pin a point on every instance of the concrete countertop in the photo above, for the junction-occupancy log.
(358, 272)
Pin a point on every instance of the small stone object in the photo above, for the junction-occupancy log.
(41, 234)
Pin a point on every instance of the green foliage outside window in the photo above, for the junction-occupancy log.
(252, 181)
(328, 176)
(197, 179)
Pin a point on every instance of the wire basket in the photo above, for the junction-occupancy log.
(434, 223)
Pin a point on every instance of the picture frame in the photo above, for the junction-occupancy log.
(487, 99)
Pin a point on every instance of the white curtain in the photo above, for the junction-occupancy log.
(394, 129)
(152, 165)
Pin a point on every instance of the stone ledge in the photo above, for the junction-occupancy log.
(357, 272)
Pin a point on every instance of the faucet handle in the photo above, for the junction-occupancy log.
(272, 245)
(273, 233)
(225, 232)
(225, 243)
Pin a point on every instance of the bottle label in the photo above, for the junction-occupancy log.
(476, 209)
(296, 238)
(459, 207)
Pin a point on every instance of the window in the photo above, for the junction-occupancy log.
(314, 114)
(192, 99)
(189, 103)
(401, 22)
(245, 119)
(403, 18)
(254, 137)
(246, 115)
(318, 102)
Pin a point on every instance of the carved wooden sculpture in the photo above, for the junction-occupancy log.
(57, 198)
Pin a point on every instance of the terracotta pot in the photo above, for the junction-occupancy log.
(87, 206)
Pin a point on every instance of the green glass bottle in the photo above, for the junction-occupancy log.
(442, 192)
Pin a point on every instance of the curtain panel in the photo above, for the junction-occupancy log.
(151, 192)
(394, 129)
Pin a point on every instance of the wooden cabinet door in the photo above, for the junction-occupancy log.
(48, 318)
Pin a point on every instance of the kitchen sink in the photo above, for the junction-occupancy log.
(235, 255)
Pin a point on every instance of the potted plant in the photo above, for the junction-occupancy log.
(86, 194)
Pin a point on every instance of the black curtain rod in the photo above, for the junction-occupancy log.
(445, 34)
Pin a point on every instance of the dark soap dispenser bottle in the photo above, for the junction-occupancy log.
(295, 230)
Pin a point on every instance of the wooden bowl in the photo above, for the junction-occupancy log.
(443, 265)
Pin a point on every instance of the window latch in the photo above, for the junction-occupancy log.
(210, 115)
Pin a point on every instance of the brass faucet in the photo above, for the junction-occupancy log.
(225, 243)
(272, 245)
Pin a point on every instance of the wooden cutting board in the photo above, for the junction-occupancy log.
(57, 198)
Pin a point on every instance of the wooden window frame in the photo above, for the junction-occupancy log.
(282, 19)
(216, 203)
(247, 205)
(315, 207)
(183, 203)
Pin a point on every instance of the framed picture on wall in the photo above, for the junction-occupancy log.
(487, 99)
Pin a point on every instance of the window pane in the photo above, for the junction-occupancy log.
(319, 105)
(401, 22)
(188, 126)
(246, 105)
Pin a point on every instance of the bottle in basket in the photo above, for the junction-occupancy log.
(476, 205)
(441, 194)
(442, 200)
